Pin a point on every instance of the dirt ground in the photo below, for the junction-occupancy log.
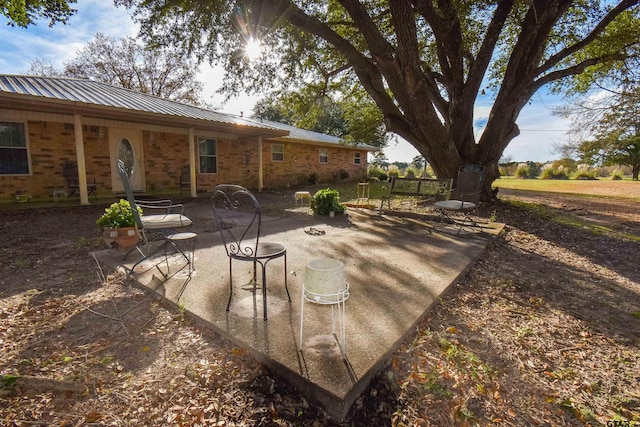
(543, 330)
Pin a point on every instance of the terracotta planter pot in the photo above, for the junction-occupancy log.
(121, 238)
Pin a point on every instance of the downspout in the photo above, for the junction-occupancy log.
(82, 170)
(192, 164)
(260, 171)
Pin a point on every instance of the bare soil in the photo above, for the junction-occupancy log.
(543, 330)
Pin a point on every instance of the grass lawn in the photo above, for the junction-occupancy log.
(600, 187)
(597, 188)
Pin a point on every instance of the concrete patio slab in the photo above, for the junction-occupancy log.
(397, 267)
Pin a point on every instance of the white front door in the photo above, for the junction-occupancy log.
(126, 145)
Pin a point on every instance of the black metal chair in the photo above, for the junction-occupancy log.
(238, 218)
(166, 219)
(466, 197)
(70, 173)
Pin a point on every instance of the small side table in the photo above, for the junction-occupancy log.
(300, 197)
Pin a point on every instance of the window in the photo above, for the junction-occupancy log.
(207, 150)
(277, 152)
(356, 159)
(14, 157)
(324, 155)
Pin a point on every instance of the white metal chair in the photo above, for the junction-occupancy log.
(242, 242)
(168, 219)
(466, 197)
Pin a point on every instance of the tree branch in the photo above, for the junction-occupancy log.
(602, 25)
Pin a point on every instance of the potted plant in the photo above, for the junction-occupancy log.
(119, 226)
(327, 202)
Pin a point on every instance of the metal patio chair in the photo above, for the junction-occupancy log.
(466, 197)
(70, 173)
(167, 218)
(238, 217)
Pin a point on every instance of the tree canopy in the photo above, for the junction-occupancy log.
(606, 128)
(23, 13)
(127, 63)
(353, 119)
(422, 62)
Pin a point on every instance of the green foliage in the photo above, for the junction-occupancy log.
(118, 215)
(411, 173)
(378, 173)
(553, 173)
(325, 201)
(7, 381)
(354, 119)
(25, 13)
(617, 175)
(590, 174)
(523, 172)
(419, 78)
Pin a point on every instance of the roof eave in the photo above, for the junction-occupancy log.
(36, 103)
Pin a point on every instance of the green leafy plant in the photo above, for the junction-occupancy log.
(118, 215)
(325, 201)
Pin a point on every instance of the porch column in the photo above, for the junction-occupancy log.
(192, 163)
(260, 172)
(82, 170)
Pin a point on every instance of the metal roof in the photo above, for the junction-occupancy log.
(89, 94)
(93, 93)
(302, 135)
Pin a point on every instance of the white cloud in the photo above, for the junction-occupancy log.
(60, 43)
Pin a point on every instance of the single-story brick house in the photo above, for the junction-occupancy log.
(49, 123)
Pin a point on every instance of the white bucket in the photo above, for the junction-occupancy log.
(324, 280)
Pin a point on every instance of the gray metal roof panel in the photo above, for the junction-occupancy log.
(308, 135)
(101, 94)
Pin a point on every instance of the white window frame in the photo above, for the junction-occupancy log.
(277, 150)
(323, 155)
(200, 156)
(357, 158)
(26, 146)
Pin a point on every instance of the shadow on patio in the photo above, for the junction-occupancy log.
(396, 267)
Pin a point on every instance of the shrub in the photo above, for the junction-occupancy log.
(118, 215)
(552, 173)
(313, 178)
(325, 201)
(412, 172)
(617, 175)
(343, 174)
(585, 174)
(382, 176)
(394, 172)
(523, 172)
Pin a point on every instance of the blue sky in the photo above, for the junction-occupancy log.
(540, 130)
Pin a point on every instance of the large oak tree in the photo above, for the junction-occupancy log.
(423, 62)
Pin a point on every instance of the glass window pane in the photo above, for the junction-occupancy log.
(208, 160)
(277, 152)
(208, 165)
(12, 135)
(207, 147)
(14, 161)
(14, 157)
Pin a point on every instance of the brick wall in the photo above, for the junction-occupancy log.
(302, 160)
(52, 144)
